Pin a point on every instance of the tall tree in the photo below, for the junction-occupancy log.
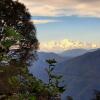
(18, 44)
(15, 15)
(54, 81)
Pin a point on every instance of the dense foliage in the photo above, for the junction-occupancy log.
(18, 45)
(15, 15)
(54, 80)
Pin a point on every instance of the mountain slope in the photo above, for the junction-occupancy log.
(73, 52)
(38, 67)
(82, 75)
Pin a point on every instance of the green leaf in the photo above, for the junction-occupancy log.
(11, 32)
(32, 98)
(13, 80)
(8, 43)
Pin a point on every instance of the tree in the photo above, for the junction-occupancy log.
(14, 75)
(18, 45)
(54, 86)
(15, 15)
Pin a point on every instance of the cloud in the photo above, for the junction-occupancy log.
(43, 21)
(66, 44)
(89, 8)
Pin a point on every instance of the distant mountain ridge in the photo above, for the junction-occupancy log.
(81, 75)
(50, 55)
(75, 52)
(38, 67)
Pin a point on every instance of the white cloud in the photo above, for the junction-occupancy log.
(43, 21)
(66, 44)
(89, 8)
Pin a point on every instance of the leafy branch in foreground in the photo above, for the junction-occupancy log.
(54, 86)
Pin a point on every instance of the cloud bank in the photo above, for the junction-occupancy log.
(43, 21)
(88, 8)
(66, 44)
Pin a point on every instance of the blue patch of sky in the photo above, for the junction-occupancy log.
(70, 27)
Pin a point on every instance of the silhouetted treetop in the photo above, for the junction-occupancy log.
(15, 15)
(18, 43)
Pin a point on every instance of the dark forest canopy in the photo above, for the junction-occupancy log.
(18, 43)
(15, 15)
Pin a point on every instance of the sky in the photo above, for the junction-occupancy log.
(66, 24)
